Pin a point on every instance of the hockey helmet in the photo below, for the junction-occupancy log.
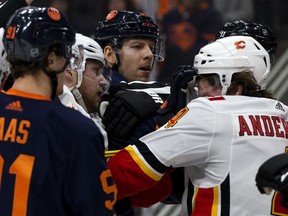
(83, 49)
(230, 55)
(31, 32)
(121, 24)
(261, 32)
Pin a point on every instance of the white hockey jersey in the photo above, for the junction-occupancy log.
(221, 142)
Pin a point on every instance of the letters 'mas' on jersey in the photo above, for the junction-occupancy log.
(51, 160)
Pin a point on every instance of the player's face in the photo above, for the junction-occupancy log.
(92, 86)
(136, 59)
(205, 89)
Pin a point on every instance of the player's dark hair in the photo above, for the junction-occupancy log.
(245, 79)
(250, 86)
(213, 79)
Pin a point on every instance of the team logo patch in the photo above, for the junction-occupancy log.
(176, 118)
(111, 15)
(240, 44)
(279, 107)
(16, 106)
(54, 14)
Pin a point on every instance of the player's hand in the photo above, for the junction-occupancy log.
(273, 175)
(177, 99)
(127, 109)
(179, 84)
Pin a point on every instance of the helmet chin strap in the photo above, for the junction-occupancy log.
(78, 97)
(75, 91)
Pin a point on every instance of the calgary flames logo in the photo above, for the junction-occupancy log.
(240, 44)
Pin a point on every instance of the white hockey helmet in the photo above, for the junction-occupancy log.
(83, 49)
(233, 54)
(4, 65)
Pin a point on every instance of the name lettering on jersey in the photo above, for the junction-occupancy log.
(263, 125)
(155, 97)
(14, 130)
(176, 118)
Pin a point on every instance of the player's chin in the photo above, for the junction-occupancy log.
(98, 99)
(144, 77)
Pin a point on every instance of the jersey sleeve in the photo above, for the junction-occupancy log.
(140, 167)
(185, 139)
(157, 193)
(132, 174)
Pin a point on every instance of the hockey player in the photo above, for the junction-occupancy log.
(131, 43)
(221, 141)
(52, 160)
(84, 81)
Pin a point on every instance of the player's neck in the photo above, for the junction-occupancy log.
(39, 84)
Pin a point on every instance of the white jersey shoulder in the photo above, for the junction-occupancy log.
(220, 137)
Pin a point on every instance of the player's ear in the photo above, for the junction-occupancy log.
(51, 58)
(70, 77)
(109, 56)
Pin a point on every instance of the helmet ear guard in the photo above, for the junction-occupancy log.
(230, 55)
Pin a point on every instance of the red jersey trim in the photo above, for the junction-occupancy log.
(205, 202)
(142, 165)
(216, 98)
